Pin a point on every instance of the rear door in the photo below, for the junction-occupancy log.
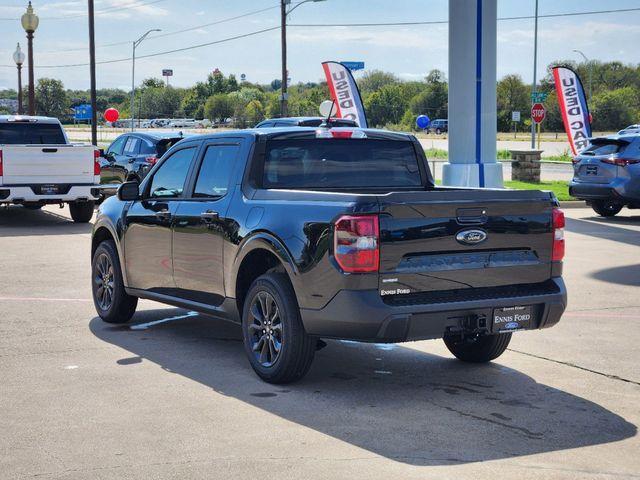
(201, 228)
(147, 237)
(460, 239)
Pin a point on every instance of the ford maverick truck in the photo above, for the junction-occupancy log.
(300, 234)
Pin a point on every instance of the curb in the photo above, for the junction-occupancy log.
(573, 204)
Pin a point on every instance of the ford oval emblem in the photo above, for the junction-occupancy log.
(471, 237)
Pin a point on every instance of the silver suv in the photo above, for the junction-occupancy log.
(607, 174)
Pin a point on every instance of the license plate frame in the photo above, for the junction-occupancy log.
(512, 318)
(49, 189)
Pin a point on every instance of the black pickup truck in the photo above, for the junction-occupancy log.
(302, 233)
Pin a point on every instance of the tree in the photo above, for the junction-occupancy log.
(374, 80)
(615, 109)
(152, 83)
(254, 112)
(276, 84)
(218, 108)
(512, 95)
(51, 98)
(385, 106)
(433, 101)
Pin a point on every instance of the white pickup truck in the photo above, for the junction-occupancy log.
(39, 166)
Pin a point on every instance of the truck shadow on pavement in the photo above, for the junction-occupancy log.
(600, 228)
(16, 221)
(406, 405)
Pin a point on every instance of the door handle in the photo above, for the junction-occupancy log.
(209, 216)
(163, 214)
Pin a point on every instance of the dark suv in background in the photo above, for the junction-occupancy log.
(439, 126)
(607, 174)
(132, 155)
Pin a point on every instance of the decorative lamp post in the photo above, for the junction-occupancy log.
(30, 23)
(18, 57)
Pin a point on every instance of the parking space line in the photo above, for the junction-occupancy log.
(43, 299)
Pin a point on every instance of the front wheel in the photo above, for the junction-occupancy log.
(81, 212)
(112, 302)
(606, 208)
(480, 350)
(279, 349)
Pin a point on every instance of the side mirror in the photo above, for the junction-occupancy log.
(101, 152)
(128, 191)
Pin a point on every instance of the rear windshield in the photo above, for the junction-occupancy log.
(31, 133)
(605, 147)
(340, 163)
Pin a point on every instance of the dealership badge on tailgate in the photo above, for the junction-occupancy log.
(508, 319)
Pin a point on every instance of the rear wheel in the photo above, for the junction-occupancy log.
(109, 296)
(481, 350)
(606, 208)
(81, 212)
(279, 349)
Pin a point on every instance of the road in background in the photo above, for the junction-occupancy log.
(173, 396)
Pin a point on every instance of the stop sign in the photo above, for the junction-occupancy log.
(538, 112)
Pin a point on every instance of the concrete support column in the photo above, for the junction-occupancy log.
(472, 95)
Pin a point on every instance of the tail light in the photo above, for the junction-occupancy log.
(96, 163)
(620, 162)
(339, 133)
(151, 159)
(0, 163)
(558, 235)
(356, 246)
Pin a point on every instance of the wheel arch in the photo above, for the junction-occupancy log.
(103, 232)
(257, 255)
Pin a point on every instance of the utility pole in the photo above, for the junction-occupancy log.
(283, 40)
(133, 73)
(590, 65)
(534, 87)
(92, 71)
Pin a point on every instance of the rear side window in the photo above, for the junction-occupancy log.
(605, 148)
(31, 134)
(340, 163)
(215, 171)
(131, 147)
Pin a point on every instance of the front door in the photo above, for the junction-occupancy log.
(147, 237)
(201, 227)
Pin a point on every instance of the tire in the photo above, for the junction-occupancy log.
(606, 208)
(81, 212)
(296, 349)
(438, 131)
(482, 350)
(121, 306)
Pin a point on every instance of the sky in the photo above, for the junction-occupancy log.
(408, 51)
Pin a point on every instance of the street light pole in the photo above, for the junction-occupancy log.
(30, 23)
(284, 96)
(92, 73)
(18, 57)
(133, 73)
(534, 87)
(590, 64)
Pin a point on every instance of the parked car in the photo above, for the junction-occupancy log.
(132, 155)
(303, 233)
(39, 166)
(607, 174)
(439, 126)
(183, 123)
(630, 130)
(305, 122)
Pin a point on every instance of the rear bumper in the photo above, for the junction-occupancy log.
(624, 190)
(363, 315)
(30, 194)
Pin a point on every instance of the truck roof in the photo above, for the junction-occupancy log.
(299, 132)
(28, 118)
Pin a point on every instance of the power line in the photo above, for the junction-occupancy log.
(442, 22)
(168, 34)
(156, 54)
(98, 12)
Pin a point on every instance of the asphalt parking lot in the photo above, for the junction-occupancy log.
(172, 395)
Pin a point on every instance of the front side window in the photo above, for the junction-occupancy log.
(215, 171)
(169, 179)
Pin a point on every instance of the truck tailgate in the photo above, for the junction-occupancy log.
(454, 239)
(47, 164)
